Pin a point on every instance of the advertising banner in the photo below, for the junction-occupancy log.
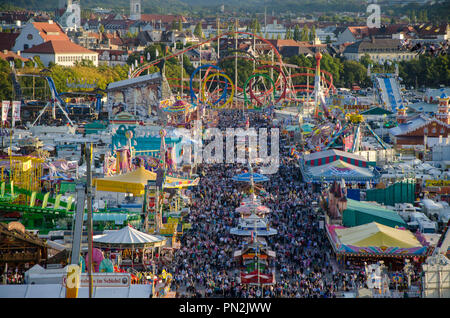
(5, 109)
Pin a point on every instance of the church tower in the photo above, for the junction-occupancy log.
(135, 9)
(443, 111)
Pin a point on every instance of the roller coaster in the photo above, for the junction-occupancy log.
(271, 83)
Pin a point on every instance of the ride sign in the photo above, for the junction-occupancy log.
(103, 280)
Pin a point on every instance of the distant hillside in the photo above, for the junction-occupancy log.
(438, 11)
(169, 6)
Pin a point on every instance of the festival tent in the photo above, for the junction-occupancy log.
(245, 177)
(358, 213)
(135, 181)
(340, 169)
(129, 237)
(376, 234)
(331, 165)
(132, 182)
(374, 238)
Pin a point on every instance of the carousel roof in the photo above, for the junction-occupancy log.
(178, 106)
(130, 236)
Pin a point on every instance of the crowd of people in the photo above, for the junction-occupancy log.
(12, 277)
(204, 265)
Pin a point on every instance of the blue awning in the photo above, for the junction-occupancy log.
(245, 177)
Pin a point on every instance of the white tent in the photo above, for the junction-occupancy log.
(129, 237)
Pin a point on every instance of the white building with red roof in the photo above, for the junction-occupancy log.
(62, 52)
(35, 33)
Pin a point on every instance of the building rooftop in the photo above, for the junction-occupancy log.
(374, 45)
(61, 47)
(50, 31)
(7, 40)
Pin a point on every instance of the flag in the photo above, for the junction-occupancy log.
(247, 123)
(292, 151)
(142, 59)
(252, 237)
(15, 112)
(5, 109)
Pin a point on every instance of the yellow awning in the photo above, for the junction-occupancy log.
(375, 234)
(134, 182)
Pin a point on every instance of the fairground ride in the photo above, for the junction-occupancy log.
(270, 84)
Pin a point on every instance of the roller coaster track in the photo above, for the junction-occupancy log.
(279, 62)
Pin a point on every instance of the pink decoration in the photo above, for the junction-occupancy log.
(97, 257)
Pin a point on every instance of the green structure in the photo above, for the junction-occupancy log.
(399, 192)
(67, 187)
(359, 213)
(43, 212)
(95, 127)
(377, 111)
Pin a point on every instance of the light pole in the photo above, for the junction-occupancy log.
(89, 216)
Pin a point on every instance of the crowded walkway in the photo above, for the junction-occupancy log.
(204, 266)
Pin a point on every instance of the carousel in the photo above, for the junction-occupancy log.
(130, 247)
(180, 113)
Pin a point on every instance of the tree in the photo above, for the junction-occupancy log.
(198, 32)
(328, 39)
(355, 72)
(297, 36)
(288, 35)
(366, 60)
(18, 63)
(312, 34)
(180, 25)
(258, 26)
(305, 34)
(5, 82)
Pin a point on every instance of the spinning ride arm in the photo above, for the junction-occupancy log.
(336, 136)
(377, 138)
(356, 138)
